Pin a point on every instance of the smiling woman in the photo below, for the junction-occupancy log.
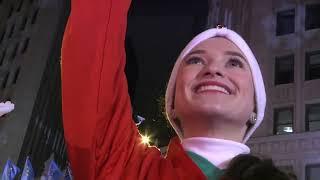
(220, 60)
(215, 87)
(215, 100)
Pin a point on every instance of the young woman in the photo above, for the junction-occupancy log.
(215, 100)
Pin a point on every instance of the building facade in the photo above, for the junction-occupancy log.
(284, 35)
(30, 41)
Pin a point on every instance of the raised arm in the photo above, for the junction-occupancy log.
(96, 106)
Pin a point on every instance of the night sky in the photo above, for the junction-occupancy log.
(157, 32)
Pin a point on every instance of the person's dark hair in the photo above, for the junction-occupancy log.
(292, 176)
(249, 167)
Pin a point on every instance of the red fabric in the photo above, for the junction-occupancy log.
(102, 139)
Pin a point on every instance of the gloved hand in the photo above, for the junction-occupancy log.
(6, 107)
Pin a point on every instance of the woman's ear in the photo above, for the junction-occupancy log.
(253, 118)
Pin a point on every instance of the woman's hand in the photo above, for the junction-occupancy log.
(6, 108)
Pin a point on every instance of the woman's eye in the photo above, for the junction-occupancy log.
(195, 60)
(234, 62)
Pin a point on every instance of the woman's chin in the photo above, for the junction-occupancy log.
(211, 110)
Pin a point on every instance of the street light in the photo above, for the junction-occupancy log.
(145, 139)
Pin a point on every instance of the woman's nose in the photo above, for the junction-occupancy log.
(213, 70)
(215, 73)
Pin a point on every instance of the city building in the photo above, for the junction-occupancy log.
(30, 42)
(284, 36)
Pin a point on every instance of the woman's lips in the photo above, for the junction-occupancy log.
(212, 86)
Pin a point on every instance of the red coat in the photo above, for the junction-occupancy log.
(103, 141)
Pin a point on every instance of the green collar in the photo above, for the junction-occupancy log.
(207, 168)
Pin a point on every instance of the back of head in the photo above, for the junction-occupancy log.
(249, 167)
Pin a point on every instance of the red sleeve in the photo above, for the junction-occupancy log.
(100, 134)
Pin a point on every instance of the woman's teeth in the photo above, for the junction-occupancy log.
(213, 87)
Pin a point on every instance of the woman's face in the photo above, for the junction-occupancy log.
(214, 82)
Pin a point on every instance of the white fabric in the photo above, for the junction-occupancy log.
(217, 151)
(6, 108)
(260, 94)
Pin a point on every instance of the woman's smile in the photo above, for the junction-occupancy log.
(215, 80)
(212, 86)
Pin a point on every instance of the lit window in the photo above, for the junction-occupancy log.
(312, 65)
(285, 22)
(312, 16)
(284, 70)
(313, 172)
(283, 121)
(312, 117)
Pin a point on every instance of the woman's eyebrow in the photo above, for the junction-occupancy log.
(198, 51)
(234, 53)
